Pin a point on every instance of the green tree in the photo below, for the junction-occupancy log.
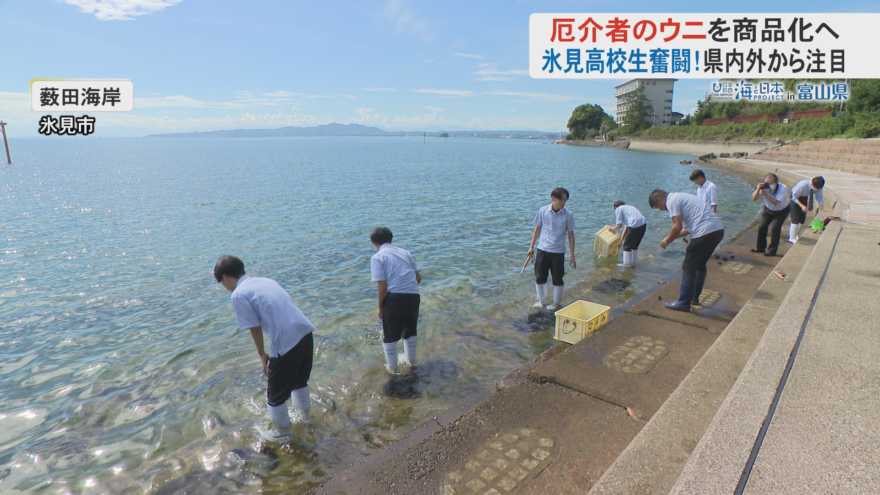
(607, 125)
(639, 111)
(864, 96)
(584, 118)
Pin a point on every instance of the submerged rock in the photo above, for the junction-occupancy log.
(611, 286)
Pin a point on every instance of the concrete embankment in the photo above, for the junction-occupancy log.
(697, 148)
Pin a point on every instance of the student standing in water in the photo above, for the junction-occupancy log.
(398, 281)
(552, 223)
(261, 304)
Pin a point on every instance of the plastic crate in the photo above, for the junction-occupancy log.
(607, 242)
(579, 319)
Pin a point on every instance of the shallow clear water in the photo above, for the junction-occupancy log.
(120, 363)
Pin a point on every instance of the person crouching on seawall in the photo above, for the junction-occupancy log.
(802, 195)
(634, 226)
(398, 291)
(773, 213)
(690, 216)
(552, 223)
(261, 304)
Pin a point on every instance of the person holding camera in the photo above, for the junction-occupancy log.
(776, 209)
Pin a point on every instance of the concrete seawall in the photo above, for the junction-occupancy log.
(697, 147)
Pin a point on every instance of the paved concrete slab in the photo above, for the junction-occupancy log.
(824, 437)
(589, 432)
(586, 367)
(652, 462)
(718, 460)
(712, 319)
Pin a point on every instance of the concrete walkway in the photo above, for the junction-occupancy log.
(803, 415)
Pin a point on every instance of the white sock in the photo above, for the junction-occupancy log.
(793, 231)
(557, 294)
(300, 399)
(541, 290)
(390, 356)
(409, 347)
(632, 257)
(279, 415)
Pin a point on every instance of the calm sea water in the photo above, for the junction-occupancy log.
(121, 367)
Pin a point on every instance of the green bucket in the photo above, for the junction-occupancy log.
(818, 224)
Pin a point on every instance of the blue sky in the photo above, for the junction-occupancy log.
(200, 65)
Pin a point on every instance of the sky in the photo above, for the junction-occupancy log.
(203, 65)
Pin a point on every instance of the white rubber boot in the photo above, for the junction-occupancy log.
(279, 415)
(627, 259)
(632, 258)
(541, 291)
(793, 232)
(390, 356)
(557, 297)
(409, 347)
(301, 404)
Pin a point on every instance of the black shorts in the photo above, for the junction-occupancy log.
(290, 372)
(400, 316)
(699, 251)
(798, 215)
(553, 263)
(633, 237)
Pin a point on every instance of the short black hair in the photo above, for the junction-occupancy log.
(559, 191)
(655, 196)
(774, 176)
(618, 203)
(819, 182)
(381, 235)
(697, 174)
(228, 265)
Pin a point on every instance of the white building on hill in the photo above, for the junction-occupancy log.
(658, 92)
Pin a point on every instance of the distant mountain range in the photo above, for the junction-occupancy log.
(341, 130)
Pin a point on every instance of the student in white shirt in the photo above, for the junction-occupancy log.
(552, 223)
(802, 195)
(634, 227)
(398, 279)
(690, 216)
(261, 304)
(773, 214)
(706, 190)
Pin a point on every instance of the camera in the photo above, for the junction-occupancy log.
(764, 185)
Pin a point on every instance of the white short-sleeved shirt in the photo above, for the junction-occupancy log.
(261, 302)
(629, 216)
(395, 266)
(803, 188)
(696, 216)
(708, 192)
(780, 194)
(554, 225)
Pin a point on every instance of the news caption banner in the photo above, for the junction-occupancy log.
(701, 46)
(74, 96)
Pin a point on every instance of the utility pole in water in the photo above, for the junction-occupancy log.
(5, 143)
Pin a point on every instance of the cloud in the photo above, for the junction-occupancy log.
(536, 96)
(487, 65)
(436, 109)
(445, 92)
(405, 20)
(378, 89)
(487, 74)
(120, 10)
(467, 55)
(368, 116)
